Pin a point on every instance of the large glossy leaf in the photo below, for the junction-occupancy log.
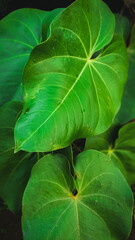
(20, 32)
(102, 208)
(119, 146)
(127, 110)
(14, 168)
(69, 91)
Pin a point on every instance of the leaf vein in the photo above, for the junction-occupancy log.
(94, 180)
(77, 37)
(55, 108)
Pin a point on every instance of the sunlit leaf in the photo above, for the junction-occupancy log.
(73, 82)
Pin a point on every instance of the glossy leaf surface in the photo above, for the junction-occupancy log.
(20, 32)
(65, 79)
(119, 146)
(127, 110)
(102, 207)
(14, 168)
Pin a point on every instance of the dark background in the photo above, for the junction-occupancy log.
(7, 6)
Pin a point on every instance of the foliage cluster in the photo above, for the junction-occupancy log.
(67, 75)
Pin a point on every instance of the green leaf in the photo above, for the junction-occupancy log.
(20, 32)
(14, 168)
(101, 209)
(122, 26)
(68, 152)
(127, 110)
(46, 25)
(119, 145)
(104, 141)
(70, 93)
(125, 150)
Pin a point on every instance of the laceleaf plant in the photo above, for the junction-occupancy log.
(72, 68)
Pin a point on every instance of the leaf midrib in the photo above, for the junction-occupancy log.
(17, 148)
(87, 63)
(87, 60)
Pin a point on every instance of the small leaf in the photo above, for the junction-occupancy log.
(125, 150)
(105, 141)
(14, 168)
(68, 92)
(101, 207)
(119, 145)
(127, 110)
(20, 32)
(122, 26)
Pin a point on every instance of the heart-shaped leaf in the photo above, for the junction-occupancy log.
(14, 168)
(69, 91)
(101, 207)
(127, 110)
(20, 32)
(119, 146)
